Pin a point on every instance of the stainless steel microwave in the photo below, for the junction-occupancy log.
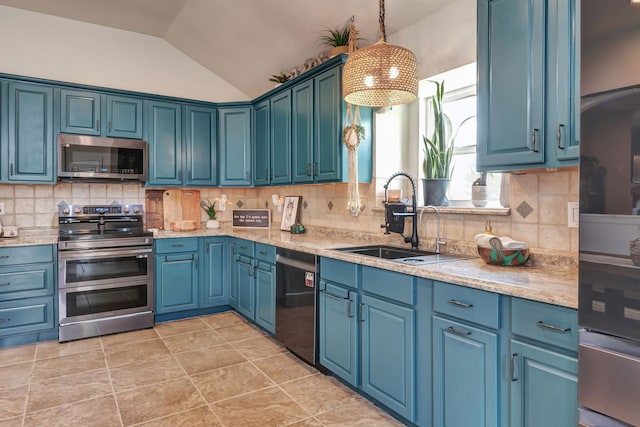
(82, 157)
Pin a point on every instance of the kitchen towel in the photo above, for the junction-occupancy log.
(490, 241)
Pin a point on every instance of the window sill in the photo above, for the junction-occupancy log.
(461, 210)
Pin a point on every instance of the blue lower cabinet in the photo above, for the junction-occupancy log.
(214, 280)
(465, 375)
(243, 269)
(265, 278)
(339, 332)
(544, 387)
(176, 282)
(388, 354)
(28, 315)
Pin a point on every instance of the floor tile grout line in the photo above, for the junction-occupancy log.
(113, 390)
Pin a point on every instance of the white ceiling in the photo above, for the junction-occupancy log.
(242, 41)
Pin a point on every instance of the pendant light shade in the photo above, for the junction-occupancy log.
(381, 74)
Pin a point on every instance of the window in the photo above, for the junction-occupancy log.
(459, 103)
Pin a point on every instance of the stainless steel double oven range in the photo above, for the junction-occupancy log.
(105, 270)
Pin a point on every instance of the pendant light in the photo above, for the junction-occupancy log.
(381, 74)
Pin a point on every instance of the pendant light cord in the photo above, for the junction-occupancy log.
(381, 29)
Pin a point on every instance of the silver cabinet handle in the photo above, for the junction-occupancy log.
(308, 169)
(559, 136)
(541, 324)
(98, 125)
(534, 140)
(458, 331)
(459, 304)
(5, 284)
(8, 319)
(109, 126)
(4, 257)
(512, 366)
(262, 252)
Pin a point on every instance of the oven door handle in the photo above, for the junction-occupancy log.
(92, 253)
(96, 287)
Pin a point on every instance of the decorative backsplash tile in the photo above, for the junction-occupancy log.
(524, 209)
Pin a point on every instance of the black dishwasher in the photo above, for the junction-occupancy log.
(296, 302)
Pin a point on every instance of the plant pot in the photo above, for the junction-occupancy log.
(435, 192)
(337, 50)
(479, 195)
(213, 224)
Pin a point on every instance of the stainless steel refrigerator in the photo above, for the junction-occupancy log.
(609, 293)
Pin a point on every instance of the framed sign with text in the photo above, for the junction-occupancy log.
(252, 218)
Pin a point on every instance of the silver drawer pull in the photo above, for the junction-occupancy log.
(458, 331)
(262, 252)
(541, 324)
(4, 256)
(5, 284)
(177, 245)
(8, 319)
(459, 304)
(512, 366)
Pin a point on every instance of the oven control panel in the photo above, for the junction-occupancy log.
(97, 210)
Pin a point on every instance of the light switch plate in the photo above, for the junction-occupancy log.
(573, 214)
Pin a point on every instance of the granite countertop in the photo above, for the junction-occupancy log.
(553, 284)
(549, 283)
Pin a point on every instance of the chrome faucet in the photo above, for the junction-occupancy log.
(414, 232)
(438, 241)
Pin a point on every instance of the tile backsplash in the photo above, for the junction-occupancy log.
(538, 207)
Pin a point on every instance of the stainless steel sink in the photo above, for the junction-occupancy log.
(401, 255)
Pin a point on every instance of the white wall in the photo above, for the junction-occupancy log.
(44, 46)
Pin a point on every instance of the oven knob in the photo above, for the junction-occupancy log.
(77, 210)
(136, 210)
(65, 211)
(126, 210)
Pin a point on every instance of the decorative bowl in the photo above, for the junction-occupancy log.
(634, 251)
(495, 256)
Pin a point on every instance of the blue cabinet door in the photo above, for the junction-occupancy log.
(164, 135)
(266, 295)
(261, 143)
(511, 83)
(465, 375)
(30, 128)
(563, 79)
(388, 354)
(339, 332)
(281, 138)
(201, 146)
(544, 387)
(328, 125)
(80, 112)
(235, 146)
(230, 251)
(302, 131)
(214, 279)
(245, 285)
(124, 117)
(176, 282)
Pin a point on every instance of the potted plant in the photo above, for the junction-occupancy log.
(479, 192)
(353, 138)
(280, 78)
(337, 38)
(210, 209)
(438, 152)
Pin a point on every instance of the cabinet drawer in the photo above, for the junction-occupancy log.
(28, 315)
(26, 254)
(395, 286)
(266, 253)
(468, 304)
(26, 281)
(164, 246)
(245, 247)
(337, 271)
(547, 323)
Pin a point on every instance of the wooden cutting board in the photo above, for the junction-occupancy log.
(179, 205)
(172, 207)
(154, 216)
(191, 206)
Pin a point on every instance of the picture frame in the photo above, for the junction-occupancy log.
(290, 212)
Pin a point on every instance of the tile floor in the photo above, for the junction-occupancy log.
(212, 370)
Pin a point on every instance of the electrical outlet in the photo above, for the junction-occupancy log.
(1, 208)
(573, 214)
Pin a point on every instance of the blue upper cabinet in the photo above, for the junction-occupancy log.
(302, 132)
(328, 135)
(261, 143)
(526, 84)
(164, 135)
(201, 146)
(234, 133)
(30, 133)
(281, 138)
(92, 113)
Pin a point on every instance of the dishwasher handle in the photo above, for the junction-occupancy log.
(301, 265)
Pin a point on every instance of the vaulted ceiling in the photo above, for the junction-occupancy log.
(242, 41)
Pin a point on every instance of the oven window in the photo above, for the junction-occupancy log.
(118, 266)
(105, 300)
